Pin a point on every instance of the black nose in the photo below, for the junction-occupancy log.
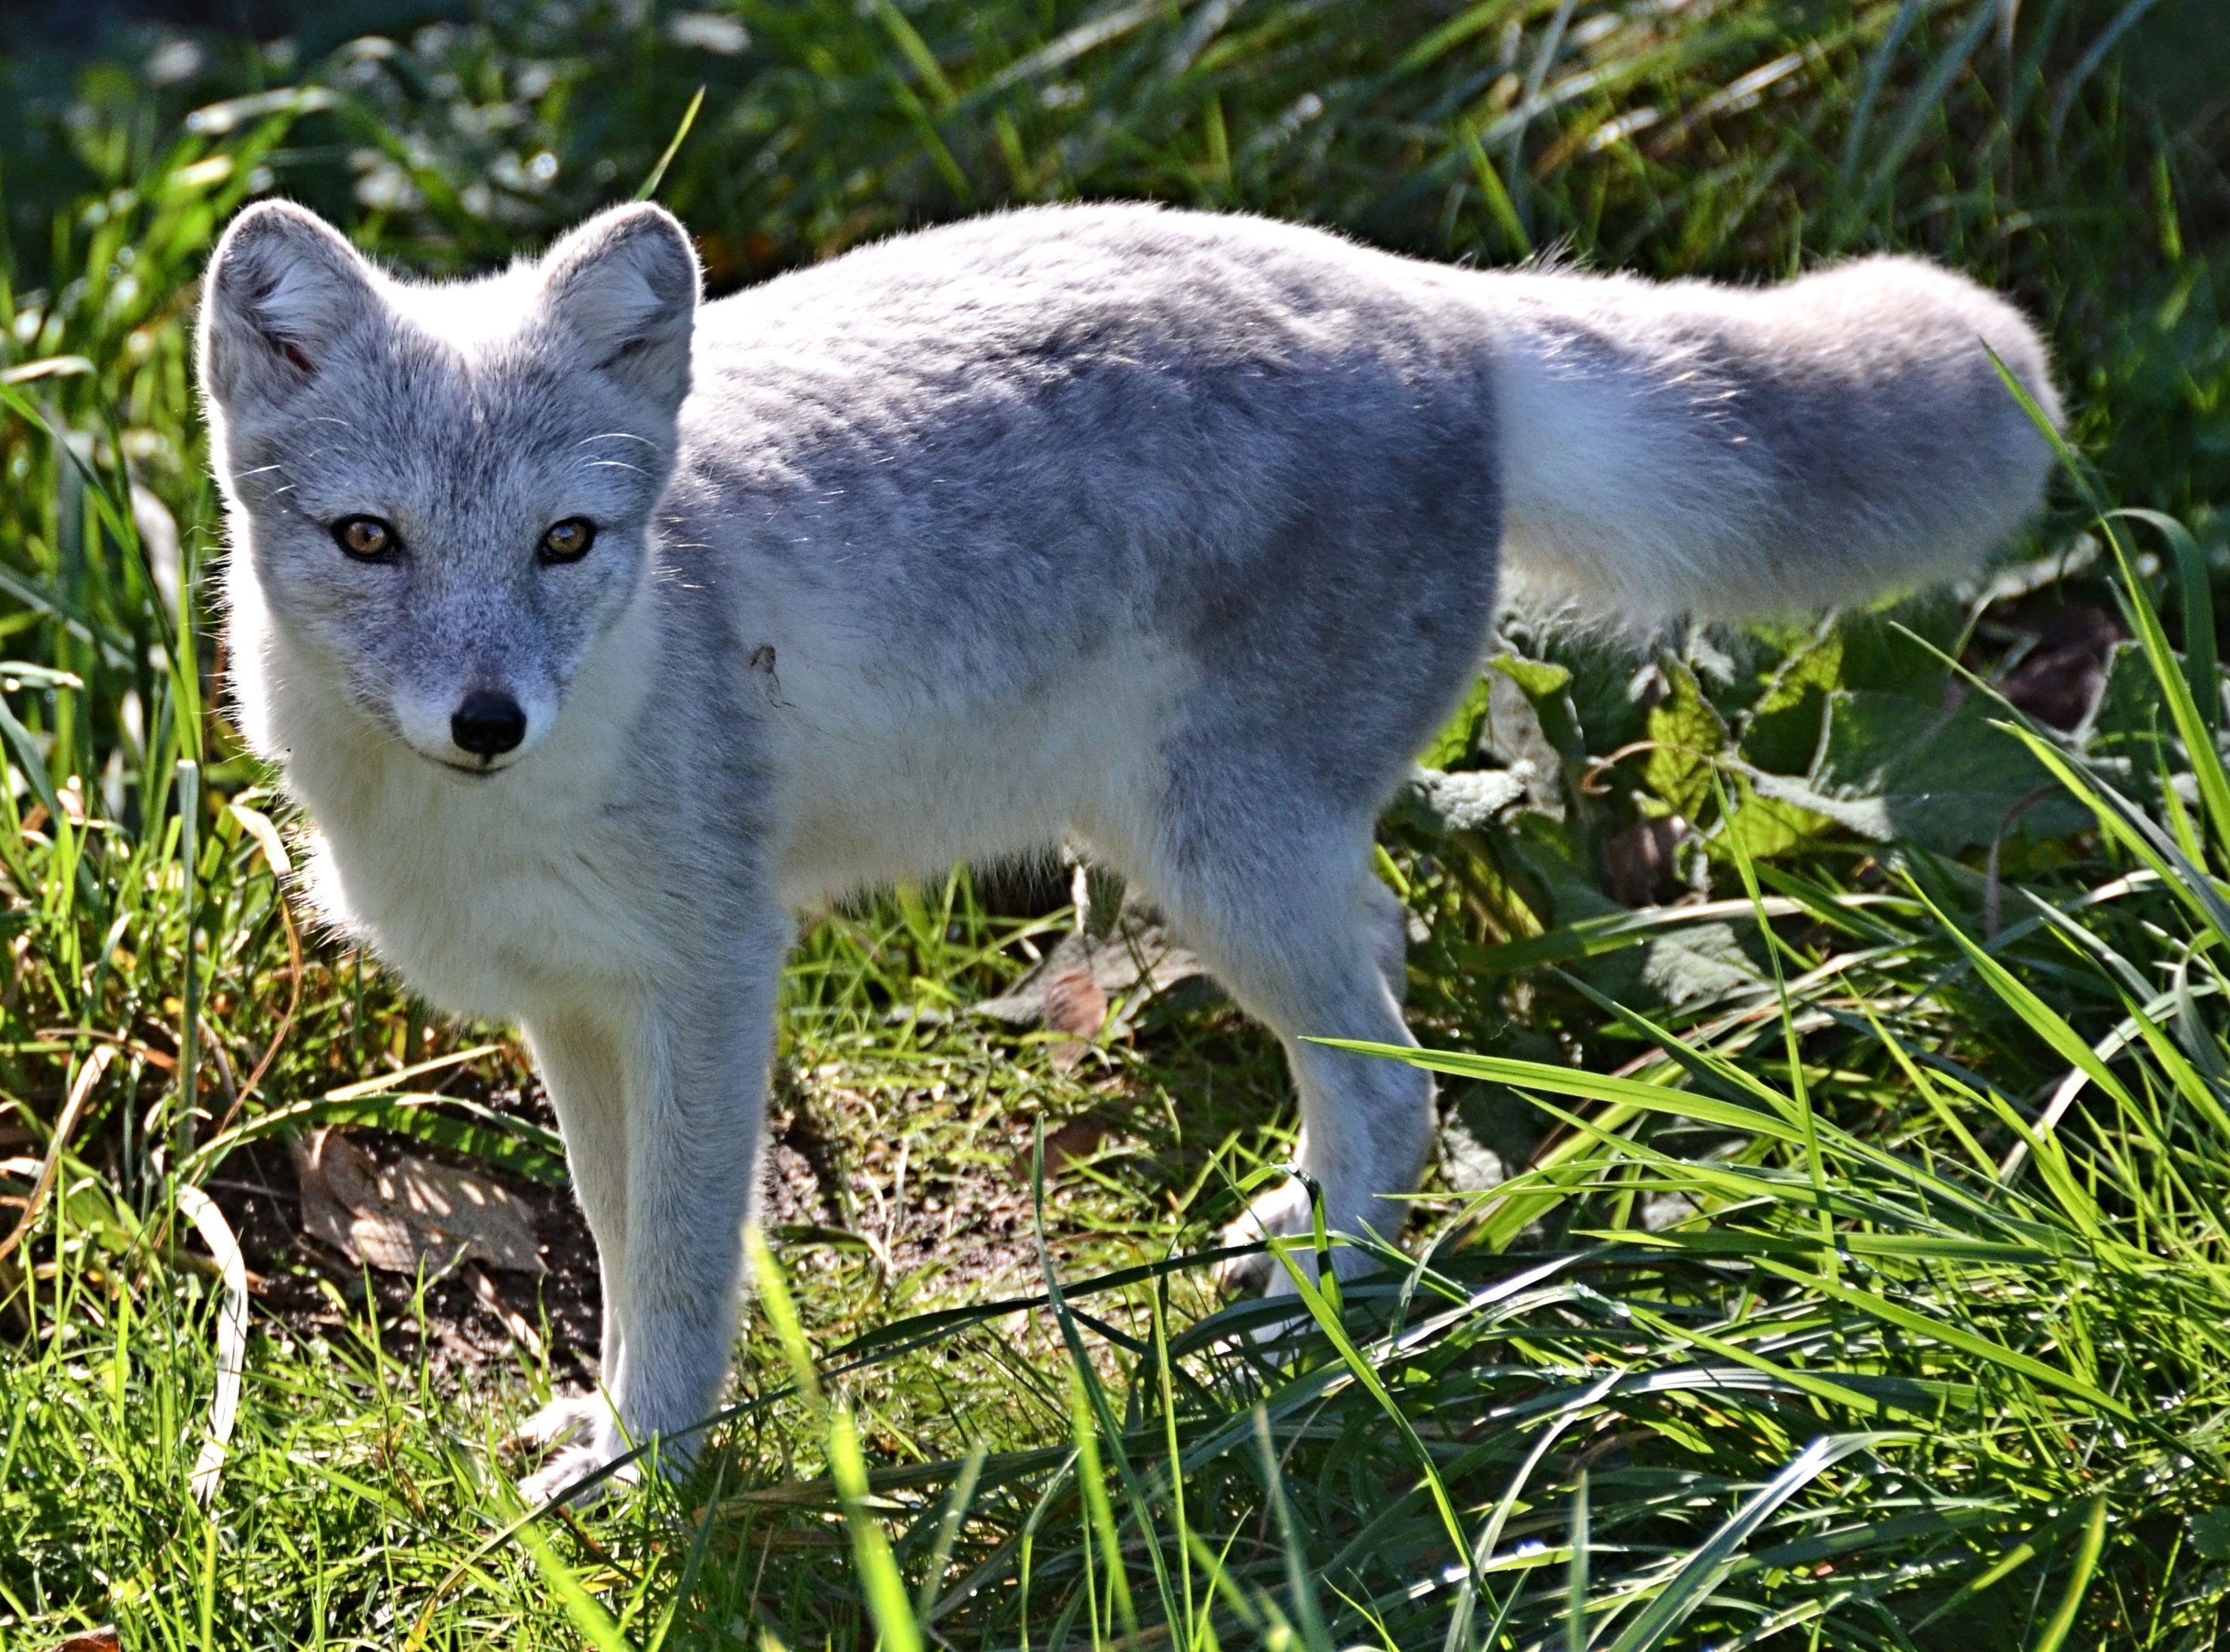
(488, 723)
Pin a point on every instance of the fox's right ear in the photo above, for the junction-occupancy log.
(281, 289)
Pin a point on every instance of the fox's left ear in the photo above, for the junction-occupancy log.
(625, 284)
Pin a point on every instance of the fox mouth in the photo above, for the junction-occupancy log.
(470, 771)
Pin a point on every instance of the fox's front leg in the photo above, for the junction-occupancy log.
(579, 1057)
(694, 1054)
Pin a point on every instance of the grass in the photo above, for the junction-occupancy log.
(1856, 1038)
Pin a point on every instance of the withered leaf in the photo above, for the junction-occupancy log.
(412, 1214)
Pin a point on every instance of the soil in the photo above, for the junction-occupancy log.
(912, 1212)
(311, 1289)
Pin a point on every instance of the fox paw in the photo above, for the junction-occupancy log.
(569, 1417)
(567, 1469)
(1281, 1213)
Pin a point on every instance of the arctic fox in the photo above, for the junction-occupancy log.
(599, 631)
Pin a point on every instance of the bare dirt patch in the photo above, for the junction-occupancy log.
(846, 1176)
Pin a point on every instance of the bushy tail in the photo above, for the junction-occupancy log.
(1692, 448)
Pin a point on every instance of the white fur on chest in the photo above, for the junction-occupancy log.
(497, 902)
(493, 897)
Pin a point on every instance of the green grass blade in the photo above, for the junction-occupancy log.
(888, 1607)
(1300, 1581)
(1576, 1571)
(1706, 1568)
(582, 1609)
(2079, 1580)
(657, 175)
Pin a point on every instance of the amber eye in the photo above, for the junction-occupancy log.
(366, 538)
(568, 541)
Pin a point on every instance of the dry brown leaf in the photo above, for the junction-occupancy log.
(335, 1178)
(1075, 1003)
(399, 1218)
(1065, 1148)
(1070, 989)
(1075, 1007)
(463, 1206)
(103, 1639)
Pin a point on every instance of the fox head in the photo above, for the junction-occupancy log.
(440, 494)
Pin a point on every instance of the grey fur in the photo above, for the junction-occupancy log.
(1172, 533)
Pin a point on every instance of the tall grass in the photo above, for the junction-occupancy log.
(1861, 1283)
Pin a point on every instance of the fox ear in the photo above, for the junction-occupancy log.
(625, 284)
(280, 290)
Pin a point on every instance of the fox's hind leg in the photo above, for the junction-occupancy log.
(1386, 927)
(1278, 899)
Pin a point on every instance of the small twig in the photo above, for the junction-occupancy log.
(213, 1047)
(88, 1075)
(156, 1058)
(259, 826)
(255, 1074)
(1590, 780)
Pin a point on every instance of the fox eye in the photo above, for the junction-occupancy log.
(568, 541)
(366, 538)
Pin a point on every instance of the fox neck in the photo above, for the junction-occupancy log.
(366, 790)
